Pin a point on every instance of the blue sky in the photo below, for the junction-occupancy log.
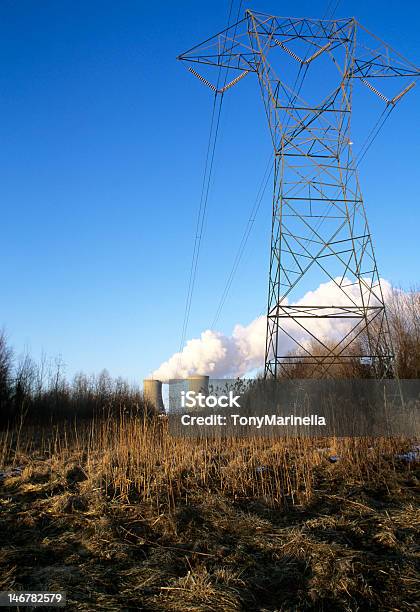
(103, 140)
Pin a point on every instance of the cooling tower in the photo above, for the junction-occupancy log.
(152, 390)
(198, 383)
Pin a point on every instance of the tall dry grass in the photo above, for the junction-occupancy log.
(123, 516)
(136, 459)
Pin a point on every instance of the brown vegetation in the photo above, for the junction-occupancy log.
(125, 517)
(403, 316)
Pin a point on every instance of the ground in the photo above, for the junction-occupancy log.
(351, 546)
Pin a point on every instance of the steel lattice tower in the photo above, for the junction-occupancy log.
(318, 217)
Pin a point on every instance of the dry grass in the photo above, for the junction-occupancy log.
(125, 517)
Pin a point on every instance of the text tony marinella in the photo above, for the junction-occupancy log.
(196, 401)
(265, 420)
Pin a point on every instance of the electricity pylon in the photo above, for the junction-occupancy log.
(307, 70)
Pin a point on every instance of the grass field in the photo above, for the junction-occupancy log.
(122, 516)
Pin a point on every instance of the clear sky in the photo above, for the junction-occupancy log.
(103, 138)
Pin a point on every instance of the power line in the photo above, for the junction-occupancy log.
(199, 226)
(327, 14)
(208, 168)
(248, 228)
(373, 135)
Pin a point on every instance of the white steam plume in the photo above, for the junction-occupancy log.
(222, 356)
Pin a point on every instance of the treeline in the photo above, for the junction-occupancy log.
(404, 322)
(403, 318)
(40, 392)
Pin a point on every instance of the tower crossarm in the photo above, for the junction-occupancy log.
(374, 58)
(228, 49)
